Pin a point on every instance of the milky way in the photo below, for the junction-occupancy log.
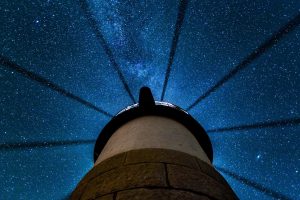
(58, 40)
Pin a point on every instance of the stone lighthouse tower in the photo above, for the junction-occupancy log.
(152, 151)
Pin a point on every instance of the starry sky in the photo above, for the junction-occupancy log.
(59, 41)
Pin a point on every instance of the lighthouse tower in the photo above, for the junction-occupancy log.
(151, 151)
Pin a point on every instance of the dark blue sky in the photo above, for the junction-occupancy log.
(54, 39)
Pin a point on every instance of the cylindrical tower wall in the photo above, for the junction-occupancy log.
(152, 158)
(152, 132)
(153, 174)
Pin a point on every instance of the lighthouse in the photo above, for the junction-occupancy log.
(153, 150)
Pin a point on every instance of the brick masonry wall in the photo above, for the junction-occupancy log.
(153, 174)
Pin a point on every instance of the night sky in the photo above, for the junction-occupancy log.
(58, 40)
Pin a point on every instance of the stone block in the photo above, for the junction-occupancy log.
(106, 197)
(210, 171)
(126, 177)
(102, 167)
(161, 155)
(185, 178)
(158, 194)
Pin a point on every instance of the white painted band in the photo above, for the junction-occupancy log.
(152, 132)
